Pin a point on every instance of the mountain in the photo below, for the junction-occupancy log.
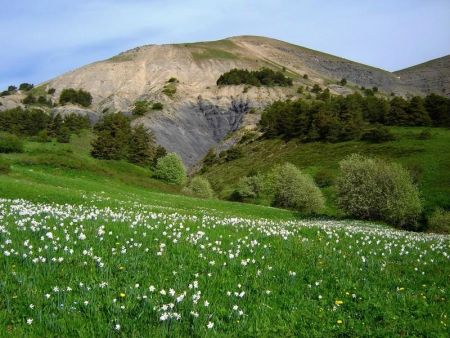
(430, 77)
(197, 113)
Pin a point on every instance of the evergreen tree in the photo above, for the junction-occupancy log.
(113, 135)
(142, 147)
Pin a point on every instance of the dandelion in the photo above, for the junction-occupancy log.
(338, 302)
(339, 321)
(122, 295)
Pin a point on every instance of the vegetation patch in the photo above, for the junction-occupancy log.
(262, 77)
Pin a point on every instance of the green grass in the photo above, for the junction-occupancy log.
(82, 241)
(430, 156)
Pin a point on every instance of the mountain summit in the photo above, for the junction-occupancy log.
(197, 113)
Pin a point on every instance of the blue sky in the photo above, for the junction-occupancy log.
(42, 39)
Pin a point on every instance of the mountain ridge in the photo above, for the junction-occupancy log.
(198, 114)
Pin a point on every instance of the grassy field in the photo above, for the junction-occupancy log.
(428, 159)
(97, 248)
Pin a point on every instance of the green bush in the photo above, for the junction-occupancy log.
(140, 108)
(292, 189)
(10, 143)
(5, 167)
(170, 168)
(249, 187)
(200, 187)
(376, 190)
(70, 95)
(157, 106)
(439, 221)
(378, 134)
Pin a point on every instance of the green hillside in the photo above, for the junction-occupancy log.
(98, 248)
(428, 160)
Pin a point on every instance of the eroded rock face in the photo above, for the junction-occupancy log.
(195, 127)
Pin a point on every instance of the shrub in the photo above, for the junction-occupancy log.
(140, 108)
(376, 190)
(70, 95)
(200, 187)
(248, 187)
(170, 168)
(173, 80)
(157, 106)
(294, 190)
(439, 221)
(51, 91)
(29, 99)
(10, 143)
(324, 178)
(378, 135)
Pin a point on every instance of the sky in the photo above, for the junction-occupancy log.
(43, 39)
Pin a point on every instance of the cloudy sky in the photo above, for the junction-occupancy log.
(42, 39)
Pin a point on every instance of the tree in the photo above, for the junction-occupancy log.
(417, 115)
(377, 190)
(438, 108)
(316, 89)
(142, 148)
(170, 168)
(113, 135)
(63, 135)
(343, 82)
(26, 86)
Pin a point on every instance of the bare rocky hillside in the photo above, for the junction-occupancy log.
(200, 114)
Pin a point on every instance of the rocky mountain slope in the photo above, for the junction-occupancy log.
(199, 114)
(430, 77)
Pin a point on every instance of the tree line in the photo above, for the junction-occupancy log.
(34, 122)
(116, 139)
(338, 118)
(262, 77)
